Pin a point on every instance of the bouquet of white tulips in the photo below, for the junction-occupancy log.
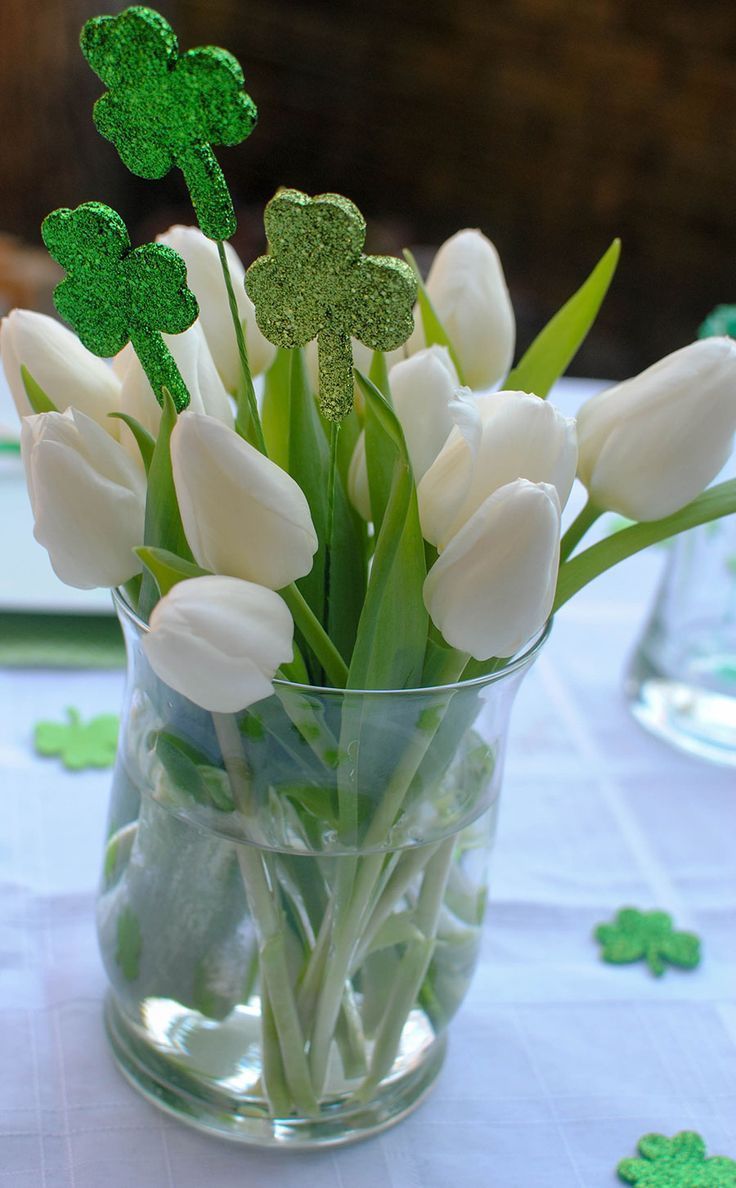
(466, 567)
(384, 516)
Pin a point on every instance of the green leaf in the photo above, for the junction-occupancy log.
(378, 375)
(275, 409)
(556, 345)
(392, 633)
(37, 398)
(181, 768)
(167, 569)
(190, 772)
(434, 331)
(145, 442)
(308, 464)
(584, 567)
(163, 527)
(129, 944)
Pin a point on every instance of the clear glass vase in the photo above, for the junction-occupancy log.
(292, 897)
(681, 681)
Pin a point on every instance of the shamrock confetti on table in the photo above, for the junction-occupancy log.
(636, 936)
(721, 320)
(114, 293)
(164, 108)
(316, 283)
(79, 744)
(679, 1162)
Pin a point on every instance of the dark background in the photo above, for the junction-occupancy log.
(551, 124)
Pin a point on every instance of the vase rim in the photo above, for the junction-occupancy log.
(523, 659)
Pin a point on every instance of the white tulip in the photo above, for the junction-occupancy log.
(219, 641)
(651, 444)
(467, 288)
(69, 374)
(493, 587)
(205, 279)
(521, 437)
(242, 514)
(424, 391)
(192, 357)
(88, 497)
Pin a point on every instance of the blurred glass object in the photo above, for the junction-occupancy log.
(681, 681)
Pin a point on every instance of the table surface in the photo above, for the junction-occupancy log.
(557, 1062)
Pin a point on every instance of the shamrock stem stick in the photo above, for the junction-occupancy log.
(156, 360)
(335, 356)
(247, 417)
(208, 190)
(330, 529)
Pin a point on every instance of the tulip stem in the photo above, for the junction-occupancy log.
(315, 635)
(580, 525)
(247, 417)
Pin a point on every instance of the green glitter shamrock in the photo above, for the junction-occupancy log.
(114, 294)
(316, 283)
(721, 320)
(635, 935)
(164, 108)
(678, 1162)
(79, 745)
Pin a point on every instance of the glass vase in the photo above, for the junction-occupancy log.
(681, 681)
(292, 897)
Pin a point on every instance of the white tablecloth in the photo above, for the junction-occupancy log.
(557, 1064)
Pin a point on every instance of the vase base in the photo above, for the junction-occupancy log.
(246, 1120)
(685, 713)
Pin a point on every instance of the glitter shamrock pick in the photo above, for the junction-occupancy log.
(114, 294)
(636, 935)
(679, 1162)
(164, 108)
(316, 283)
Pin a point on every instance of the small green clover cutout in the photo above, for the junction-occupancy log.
(114, 294)
(649, 936)
(316, 282)
(78, 744)
(679, 1162)
(721, 320)
(165, 109)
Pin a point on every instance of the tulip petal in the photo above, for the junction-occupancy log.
(219, 641)
(242, 515)
(491, 589)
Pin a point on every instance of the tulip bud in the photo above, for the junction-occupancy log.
(219, 641)
(423, 390)
(206, 280)
(88, 498)
(492, 588)
(242, 514)
(650, 445)
(192, 357)
(467, 288)
(521, 437)
(69, 374)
